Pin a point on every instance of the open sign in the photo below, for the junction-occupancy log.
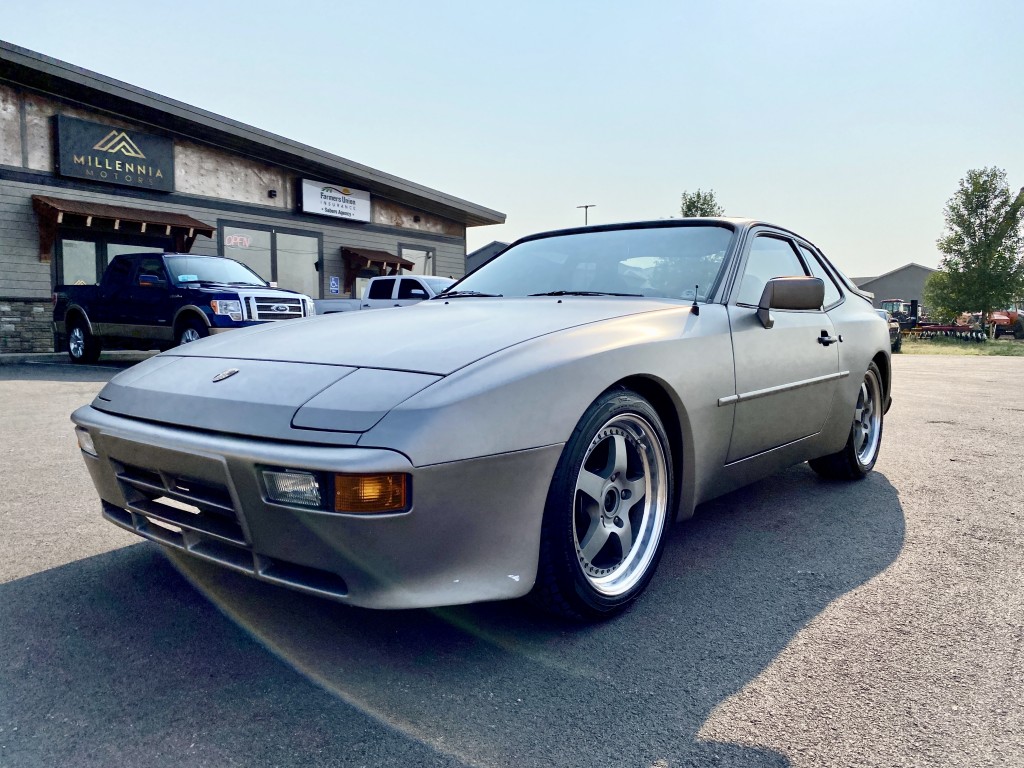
(237, 241)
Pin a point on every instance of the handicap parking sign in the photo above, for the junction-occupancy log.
(335, 284)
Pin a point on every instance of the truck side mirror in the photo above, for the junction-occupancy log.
(151, 281)
(789, 293)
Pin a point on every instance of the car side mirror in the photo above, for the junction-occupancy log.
(151, 281)
(789, 293)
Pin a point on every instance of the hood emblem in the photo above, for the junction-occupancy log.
(225, 374)
(280, 307)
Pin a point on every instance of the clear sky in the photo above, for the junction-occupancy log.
(849, 122)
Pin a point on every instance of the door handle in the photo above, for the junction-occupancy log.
(825, 339)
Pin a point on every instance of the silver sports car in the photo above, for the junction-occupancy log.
(533, 430)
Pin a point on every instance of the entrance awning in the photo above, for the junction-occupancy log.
(56, 211)
(357, 259)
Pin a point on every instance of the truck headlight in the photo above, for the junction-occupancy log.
(232, 309)
(310, 307)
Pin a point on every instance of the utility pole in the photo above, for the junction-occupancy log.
(585, 211)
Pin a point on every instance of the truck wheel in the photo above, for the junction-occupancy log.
(82, 345)
(1018, 329)
(192, 330)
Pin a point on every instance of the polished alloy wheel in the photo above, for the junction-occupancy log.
(76, 342)
(190, 334)
(867, 419)
(620, 504)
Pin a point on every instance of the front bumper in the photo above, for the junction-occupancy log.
(472, 533)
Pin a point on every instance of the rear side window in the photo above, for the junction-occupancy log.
(832, 294)
(381, 289)
(118, 273)
(769, 257)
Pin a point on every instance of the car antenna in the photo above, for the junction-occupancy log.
(694, 309)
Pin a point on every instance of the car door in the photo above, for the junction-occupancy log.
(151, 311)
(109, 314)
(786, 375)
(410, 291)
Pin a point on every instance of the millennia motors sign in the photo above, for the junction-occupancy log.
(335, 200)
(98, 152)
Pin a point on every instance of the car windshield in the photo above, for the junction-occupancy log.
(678, 262)
(211, 269)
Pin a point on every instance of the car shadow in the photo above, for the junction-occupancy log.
(57, 369)
(119, 659)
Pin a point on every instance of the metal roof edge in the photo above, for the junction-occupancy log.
(473, 214)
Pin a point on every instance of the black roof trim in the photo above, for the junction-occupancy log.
(167, 115)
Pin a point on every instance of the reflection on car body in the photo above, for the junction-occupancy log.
(534, 430)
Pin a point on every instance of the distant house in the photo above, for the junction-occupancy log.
(483, 255)
(906, 282)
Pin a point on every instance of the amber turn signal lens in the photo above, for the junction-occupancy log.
(368, 494)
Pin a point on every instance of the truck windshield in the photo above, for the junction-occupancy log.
(211, 269)
(678, 262)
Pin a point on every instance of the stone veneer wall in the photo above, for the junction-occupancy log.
(25, 325)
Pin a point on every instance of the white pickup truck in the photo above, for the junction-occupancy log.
(388, 291)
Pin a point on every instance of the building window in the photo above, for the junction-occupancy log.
(291, 258)
(81, 257)
(422, 258)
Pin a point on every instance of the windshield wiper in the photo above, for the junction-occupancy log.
(585, 293)
(467, 294)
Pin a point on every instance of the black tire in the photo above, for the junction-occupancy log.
(192, 330)
(598, 553)
(1018, 328)
(898, 344)
(860, 453)
(83, 347)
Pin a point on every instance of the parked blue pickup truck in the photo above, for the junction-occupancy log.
(158, 300)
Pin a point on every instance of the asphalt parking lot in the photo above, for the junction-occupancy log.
(793, 623)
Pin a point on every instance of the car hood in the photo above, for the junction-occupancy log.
(437, 337)
(331, 379)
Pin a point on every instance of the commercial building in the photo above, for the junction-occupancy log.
(91, 167)
(906, 283)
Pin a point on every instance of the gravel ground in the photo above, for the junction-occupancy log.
(793, 623)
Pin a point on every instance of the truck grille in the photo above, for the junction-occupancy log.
(273, 308)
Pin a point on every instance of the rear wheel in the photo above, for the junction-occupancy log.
(82, 345)
(192, 330)
(607, 511)
(860, 453)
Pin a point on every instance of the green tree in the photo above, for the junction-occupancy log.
(943, 304)
(700, 203)
(982, 247)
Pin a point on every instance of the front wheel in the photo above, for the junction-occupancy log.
(860, 453)
(191, 331)
(607, 510)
